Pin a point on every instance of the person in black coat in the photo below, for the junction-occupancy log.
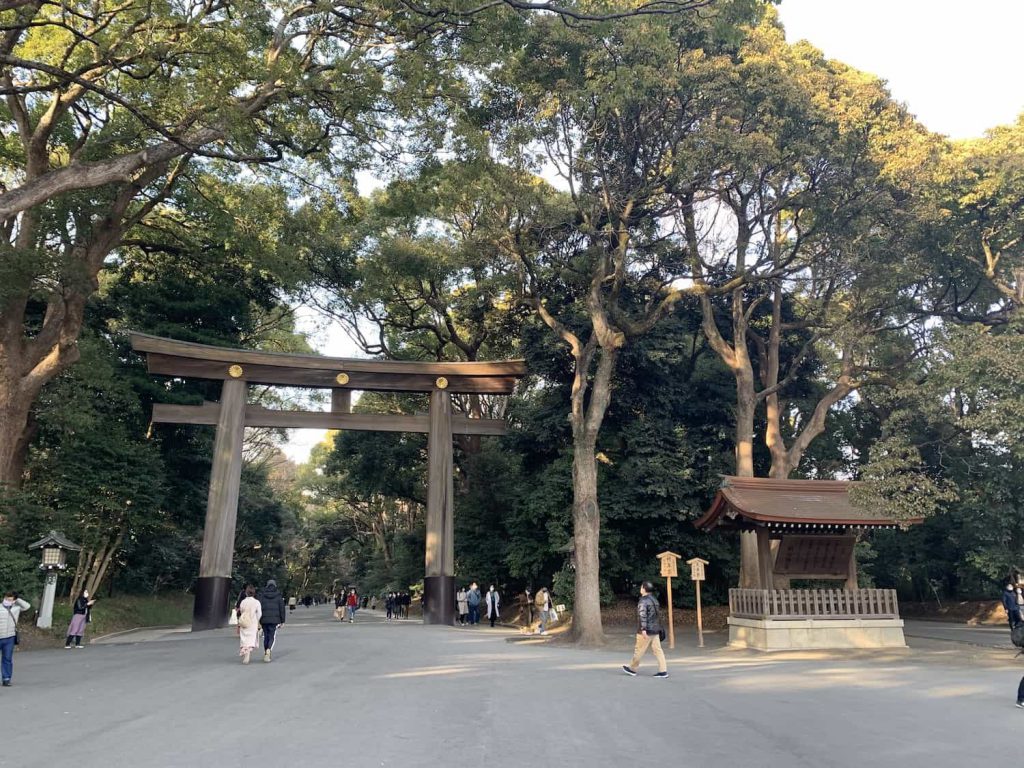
(1010, 605)
(274, 615)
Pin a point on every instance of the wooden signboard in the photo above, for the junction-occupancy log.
(670, 571)
(697, 576)
(668, 565)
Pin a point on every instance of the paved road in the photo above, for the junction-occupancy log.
(987, 636)
(376, 695)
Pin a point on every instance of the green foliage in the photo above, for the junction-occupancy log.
(19, 571)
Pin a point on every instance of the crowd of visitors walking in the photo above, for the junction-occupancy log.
(396, 605)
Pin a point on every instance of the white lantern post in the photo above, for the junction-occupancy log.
(54, 548)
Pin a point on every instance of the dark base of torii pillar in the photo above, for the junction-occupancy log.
(213, 593)
(439, 582)
(439, 600)
(214, 584)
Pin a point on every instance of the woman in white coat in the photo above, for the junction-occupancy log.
(493, 604)
(249, 613)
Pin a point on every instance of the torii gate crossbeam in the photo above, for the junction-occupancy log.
(237, 368)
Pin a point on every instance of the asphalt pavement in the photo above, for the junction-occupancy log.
(986, 636)
(374, 694)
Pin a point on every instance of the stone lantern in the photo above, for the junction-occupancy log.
(55, 548)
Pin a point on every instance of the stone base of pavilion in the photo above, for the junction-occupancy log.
(814, 619)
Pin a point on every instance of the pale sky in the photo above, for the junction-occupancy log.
(955, 64)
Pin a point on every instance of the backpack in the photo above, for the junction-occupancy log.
(1017, 635)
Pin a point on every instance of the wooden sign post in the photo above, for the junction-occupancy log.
(668, 570)
(697, 576)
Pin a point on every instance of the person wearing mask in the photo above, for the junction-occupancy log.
(352, 603)
(12, 607)
(1010, 605)
(493, 605)
(462, 601)
(272, 616)
(473, 599)
(81, 614)
(648, 633)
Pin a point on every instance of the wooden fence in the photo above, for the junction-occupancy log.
(799, 604)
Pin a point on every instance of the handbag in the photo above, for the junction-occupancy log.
(552, 615)
(661, 635)
(245, 620)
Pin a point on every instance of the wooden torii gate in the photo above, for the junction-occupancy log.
(238, 368)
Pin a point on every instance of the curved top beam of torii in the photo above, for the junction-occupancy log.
(181, 358)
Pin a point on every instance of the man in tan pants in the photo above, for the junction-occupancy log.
(647, 633)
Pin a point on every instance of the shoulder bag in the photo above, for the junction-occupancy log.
(14, 620)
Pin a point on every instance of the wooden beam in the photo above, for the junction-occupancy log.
(851, 573)
(341, 400)
(147, 344)
(766, 565)
(255, 416)
(318, 378)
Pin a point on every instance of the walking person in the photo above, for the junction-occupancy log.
(352, 603)
(389, 605)
(493, 605)
(1010, 605)
(462, 603)
(648, 633)
(473, 599)
(543, 604)
(81, 614)
(13, 605)
(249, 616)
(272, 616)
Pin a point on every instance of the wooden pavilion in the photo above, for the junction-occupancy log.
(805, 529)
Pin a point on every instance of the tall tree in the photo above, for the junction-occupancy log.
(622, 123)
(805, 209)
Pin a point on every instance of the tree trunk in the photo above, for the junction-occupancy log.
(84, 564)
(108, 558)
(586, 517)
(15, 423)
(586, 622)
(746, 404)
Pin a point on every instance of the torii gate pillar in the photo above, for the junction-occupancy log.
(214, 583)
(439, 581)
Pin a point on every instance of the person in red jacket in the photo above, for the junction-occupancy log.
(352, 602)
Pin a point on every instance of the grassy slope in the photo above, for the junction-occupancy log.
(111, 615)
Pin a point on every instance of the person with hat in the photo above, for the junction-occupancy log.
(274, 614)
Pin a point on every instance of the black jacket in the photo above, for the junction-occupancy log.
(647, 615)
(1009, 600)
(272, 603)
